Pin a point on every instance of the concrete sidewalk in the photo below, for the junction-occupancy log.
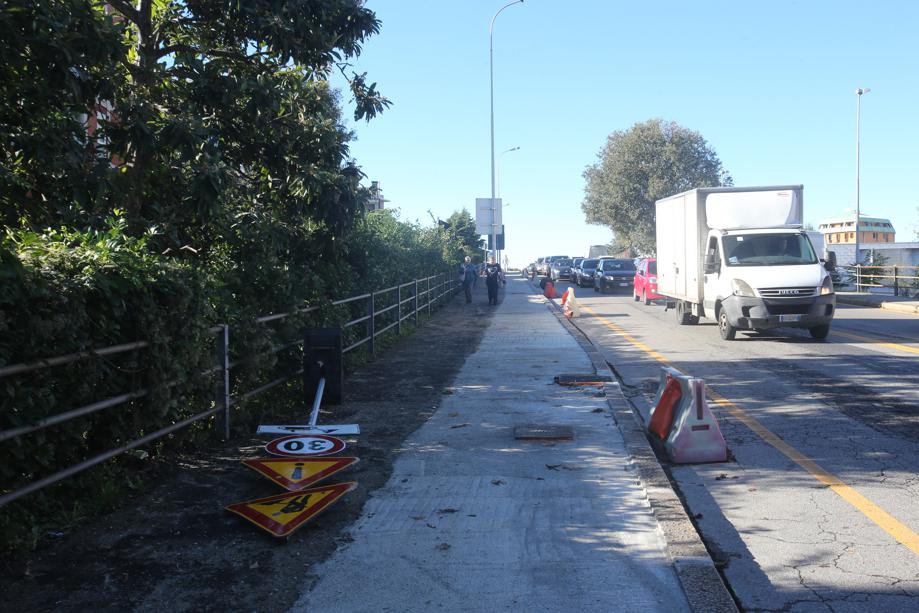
(899, 304)
(474, 519)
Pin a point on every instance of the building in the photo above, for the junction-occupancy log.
(871, 230)
(876, 235)
(376, 200)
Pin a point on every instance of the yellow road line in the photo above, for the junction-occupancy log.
(884, 520)
(874, 341)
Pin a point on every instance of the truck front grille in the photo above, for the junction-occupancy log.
(787, 292)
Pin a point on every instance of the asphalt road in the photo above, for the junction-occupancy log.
(817, 511)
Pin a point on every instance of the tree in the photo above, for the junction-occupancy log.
(58, 58)
(461, 226)
(638, 166)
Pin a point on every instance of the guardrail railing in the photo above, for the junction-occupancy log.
(382, 311)
(895, 279)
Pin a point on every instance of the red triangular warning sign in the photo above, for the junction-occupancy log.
(296, 474)
(282, 514)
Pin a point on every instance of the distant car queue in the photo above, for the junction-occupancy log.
(604, 274)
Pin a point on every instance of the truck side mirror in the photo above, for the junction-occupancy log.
(830, 263)
(712, 264)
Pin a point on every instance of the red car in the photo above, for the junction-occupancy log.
(644, 287)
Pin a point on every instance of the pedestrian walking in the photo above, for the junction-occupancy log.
(492, 279)
(467, 275)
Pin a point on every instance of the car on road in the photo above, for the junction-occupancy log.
(575, 265)
(542, 266)
(546, 268)
(584, 277)
(644, 285)
(613, 274)
(561, 269)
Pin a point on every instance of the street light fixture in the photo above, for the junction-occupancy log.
(491, 75)
(858, 209)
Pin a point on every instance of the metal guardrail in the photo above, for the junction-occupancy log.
(420, 294)
(897, 279)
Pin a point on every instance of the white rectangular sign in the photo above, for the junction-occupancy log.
(330, 430)
(484, 222)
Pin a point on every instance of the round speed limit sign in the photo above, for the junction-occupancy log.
(305, 444)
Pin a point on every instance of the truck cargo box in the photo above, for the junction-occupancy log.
(684, 220)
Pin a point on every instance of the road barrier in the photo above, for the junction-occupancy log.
(570, 305)
(895, 279)
(403, 302)
(682, 419)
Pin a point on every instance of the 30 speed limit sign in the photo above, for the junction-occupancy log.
(305, 444)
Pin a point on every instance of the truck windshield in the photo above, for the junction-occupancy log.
(768, 250)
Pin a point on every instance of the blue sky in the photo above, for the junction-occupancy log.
(770, 86)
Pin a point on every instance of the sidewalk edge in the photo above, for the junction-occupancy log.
(701, 582)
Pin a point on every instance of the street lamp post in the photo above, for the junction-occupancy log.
(498, 192)
(858, 209)
(491, 75)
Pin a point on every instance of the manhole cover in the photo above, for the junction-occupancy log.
(543, 433)
(574, 379)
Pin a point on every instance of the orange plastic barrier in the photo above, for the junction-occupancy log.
(550, 290)
(662, 415)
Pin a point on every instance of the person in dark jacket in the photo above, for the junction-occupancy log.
(467, 273)
(492, 280)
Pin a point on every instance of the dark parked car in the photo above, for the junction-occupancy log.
(561, 269)
(645, 282)
(613, 273)
(575, 266)
(585, 274)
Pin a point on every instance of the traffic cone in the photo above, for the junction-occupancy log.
(550, 290)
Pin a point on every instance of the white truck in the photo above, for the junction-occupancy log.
(740, 256)
(595, 251)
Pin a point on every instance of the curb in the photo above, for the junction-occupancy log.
(701, 582)
(906, 306)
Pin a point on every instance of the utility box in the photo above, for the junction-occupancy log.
(322, 357)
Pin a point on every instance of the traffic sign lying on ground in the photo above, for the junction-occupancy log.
(297, 445)
(296, 474)
(342, 429)
(282, 514)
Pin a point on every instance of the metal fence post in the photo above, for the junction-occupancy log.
(371, 323)
(223, 388)
(896, 281)
(415, 310)
(858, 277)
(399, 309)
(429, 296)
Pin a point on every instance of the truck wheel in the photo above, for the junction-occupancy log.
(644, 297)
(725, 328)
(820, 332)
(683, 315)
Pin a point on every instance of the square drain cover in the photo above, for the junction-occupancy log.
(543, 433)
(572, 380)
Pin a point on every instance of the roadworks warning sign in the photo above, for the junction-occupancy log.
(282, 514)
(295, 474)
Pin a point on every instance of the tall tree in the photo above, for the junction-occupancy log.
(461, 227)
(638, 166)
